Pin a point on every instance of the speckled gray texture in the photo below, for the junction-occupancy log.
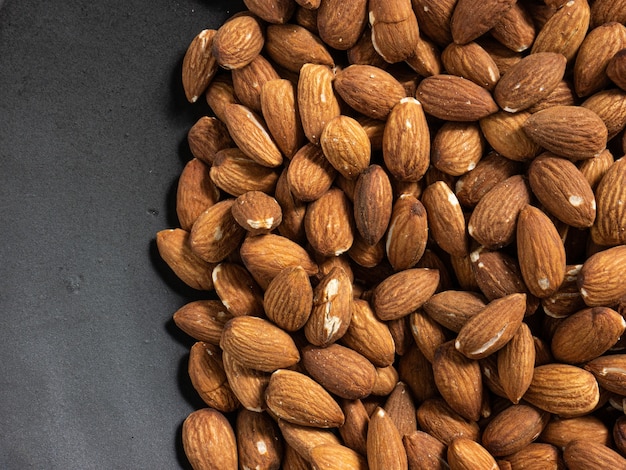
(92, 139)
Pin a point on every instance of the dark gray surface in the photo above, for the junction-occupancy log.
(92, 139)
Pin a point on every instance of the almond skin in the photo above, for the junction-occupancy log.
(195, 192)
(329, 223)
(440, 421)
(600, 280)
(199, 65)
(516, 361)
(513, 429)
(291, 46)
(296, 398)
(407, 233)
(316, 99)
(472, 18)
(471, 61)
(203, 320)
(384, 443)
(404, 292)
(466, 454)
(582, 454)
(288, 298)
(341, 24)
(209, 440)
(238, 41)
(346, 146)
(373, 198)
(445, 218)
(259, 443)
(609, 227)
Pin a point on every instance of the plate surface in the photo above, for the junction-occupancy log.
(93, 125)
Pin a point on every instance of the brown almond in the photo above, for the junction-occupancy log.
(516, 361)
(472, 62)
(346, 146)
(600, 280)
(247, 384)
(248, 81)
(199, 65)
(424, 451)
(404, 292)
(340, 23)
(588, 455)
(452, 309)
(609, 227)
(372, 204)
(610, 372)
(235, 173)
(278, 11)
(257, 212)
(316, 99)
(394, 28)
(303, 439)
(616, 69)
(237, 290)
(206, 372)
(472, 18)
(195, 192)
(516, 29)
(610, 106)
(445, 219)
(504, 132)
(328, 456)
(209, 440)
(440, 421)
(329, 223)
(259, 443)
(466, 454)
(238, 41)
(513, 429)
(282, 117)
(291, 46)
(560, 431)
(203, 320)
(384, 443)
(206, 137)
(310, 174)
(288, 298)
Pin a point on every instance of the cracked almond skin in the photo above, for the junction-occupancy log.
(297, 398)
(491, 328)
(209, 441)
(258, 344)
(541, 252)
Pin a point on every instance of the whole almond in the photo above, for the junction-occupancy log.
(394, 28)
(249, 80)
(372, 204)
(434, 19)
(238, 41)
(440, 421)
(258, 344)
(445, 219)
(563, 389)
(235, 173)
(237, 290)
(472, 18)
(593, 169)
(600, 279)
(220, 93)
(329, 223)
(340, 23)
(278, 11)
(453, 98)
(562, 95)
(310, 174)
(457, 147)
(247, 384)
(175, 249)
(516, 361)
(329, 456)
(257, 212)
(407, 234)
(540, 251)
(346, 146)
(384, 443)
(353, 432)
(316, 99)
(288, 298)
(404, 292)
(605, 11)
(560, 431)
(471, 61)
(282, 117)
(426, 59)
(610, 372)
(291, 46)
(538, 454)
(581, 454)
(609, 227)
(195, 192)
(427, 333)
(513, 429)
(199, 65)
(424, 451)
(303, 439)
(452, 309)
(610, 106)
(615, 69)
(369, 90)
(259, 443)
(466, 454)
(406, 142)
(209, 441)
(296, 398)
(516, 29)
(206, 137)
(203, 320)
(504, 132)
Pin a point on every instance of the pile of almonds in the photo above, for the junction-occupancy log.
(409, 217)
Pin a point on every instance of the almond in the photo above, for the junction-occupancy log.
(258, 344)
(544, 455)
(604, 11)
(329, 456)
(209, 440)
(316, 99)
(394, 28)
(457, 147)
(384, 443)
(353, 432)
(589, 455)
(516, 361)
(247, 384)
(195, 193)
(472, 18)
(504, 132)
(282, 117)
(453, 98)
(220, 93)
(601, 278)
(303, 439)
(234, 173)
(329, 223)
(291, 46)
(237, 290)
(610, 372)
(616, 69)
(372, 204)
(206, 137)
(340, 23)
(516, 29)
(513, 429)
(288, 298)
(199, 65)
(445, 219)
(466, 454)
(610, 106)
(424, 451)
(310, 174)
(278, 11)
(248, 81)
(434, 19)
(560, 431)
(203, 320)
(407, 234)
(404, 292)
(609, 227)
(427, 333)
(346, 146)
(296, 398)
(238, 41)
(439, 420)
(257, 212)
(259, 443)
(472, 62)
(452, 309)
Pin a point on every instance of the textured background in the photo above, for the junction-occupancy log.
(93, 127)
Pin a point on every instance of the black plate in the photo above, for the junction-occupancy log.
(93, 125)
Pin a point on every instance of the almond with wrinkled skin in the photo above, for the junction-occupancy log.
(303, 439)
(529, 81)
(209, 441)
(329, 223)
(258, 344)
(466, 454)
(384, 443)
(293, 210)
(513, 429)
(610, 372)
(265, 256)
(406, 141)
(203, 320)
(332, 309)
(259, 443)
(601, 279)
(593, 169)
(416, 372)
(498, 274)
(407, 234)
(310, 174)
(541, 252)
(494, 219)
(288, 298)
(560, 431)
(562, 95)
(340, 370)
(239, 293)
(206, 372)
(386, 380)
(238, 41)
(609, 227)
(291, 46)
(340, 23)
(426, 59)
(234, 173)
(610, 106)
(472, 18)
(199, 65)
(563, 389)
(489, 171)
(215, 233)
(587, 334)
(394, 28)
(515, 29)
(316, 99)
(424, 451)
(427, 333)
(491, 328)
(604, 11)
(247, 384)
(364, 254)
(504, 132)
(195, 193)
(257, 212)
(175, 249)
(249, 80)
(282, 117)
(516, 362)
(369, 336)
(219, 93)
(434, 19)
(328, 456)
(373, 199)
(535, 456)
(363, 52)
(503, 57)
(472, 62)
(445, 219)
(401, 408)
(457, 147)
(452, 309)
(616, 69)
(595, 52)
(277, 11)
(369, 90)
(565, 30)
(563, 190)
(453, 98)
(440, 421)
(346, 146)
(296, 398)
(353, 432)
(206, 137)
(251, 135)
(459, 381)
(404, 292)
(588, 455)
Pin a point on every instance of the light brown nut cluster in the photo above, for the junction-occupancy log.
(410, 220)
